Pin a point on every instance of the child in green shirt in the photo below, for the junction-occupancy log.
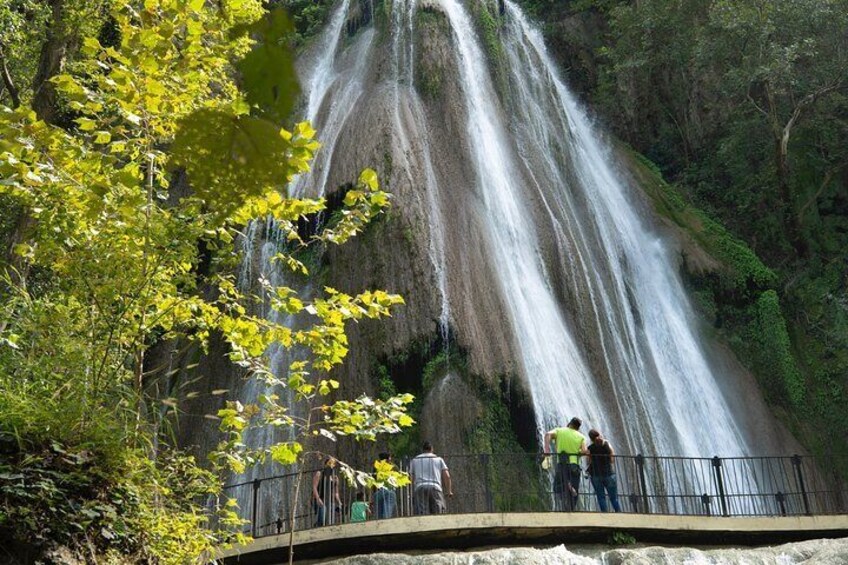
(359, 510)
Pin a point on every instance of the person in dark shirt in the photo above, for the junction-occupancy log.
(325, 493)
(602, 471)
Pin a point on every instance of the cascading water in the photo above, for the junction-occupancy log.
(658, 374)
(410, 123)
(635, 298)
(332, 92)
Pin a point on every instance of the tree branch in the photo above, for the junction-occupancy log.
(796, 113)
(8, 83)
(754, 102)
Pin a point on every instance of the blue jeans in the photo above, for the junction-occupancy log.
(319, 514)
(326, 515)
(606, 485)
(385, 501)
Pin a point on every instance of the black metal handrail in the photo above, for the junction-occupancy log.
(517, 482)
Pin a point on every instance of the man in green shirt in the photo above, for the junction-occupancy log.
(570, 446)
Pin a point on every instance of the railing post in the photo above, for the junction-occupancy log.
(405, 494)
(720, 483)
(484, 460)
(781, 502)
(255, 512)
(640, 467)
(706, 501)
(799, 476)
(634, 502)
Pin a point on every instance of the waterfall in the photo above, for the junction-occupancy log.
(638, 303)
(560, 382)
(332, 91)
(533, 150)
(597, 319)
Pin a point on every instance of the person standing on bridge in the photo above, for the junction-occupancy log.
(429, 472)
(602, 471)
(385, 499)
(570, 446)
(325, 493)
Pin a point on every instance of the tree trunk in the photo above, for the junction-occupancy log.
(50, 63)
(790, 219)
(792, 215)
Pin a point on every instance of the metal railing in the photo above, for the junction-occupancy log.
(517, 482)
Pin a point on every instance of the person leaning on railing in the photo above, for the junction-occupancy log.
(325, 489)
(602, 471)
(570, 445)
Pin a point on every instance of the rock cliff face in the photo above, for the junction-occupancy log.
(407, 95)
(397, 253)
(560, 298)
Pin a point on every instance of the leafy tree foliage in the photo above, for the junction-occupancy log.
(135, 208)
(308, 16)
(746, 96)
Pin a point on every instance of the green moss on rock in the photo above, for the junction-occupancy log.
(430, 71)
(772, 350)
(742, 274)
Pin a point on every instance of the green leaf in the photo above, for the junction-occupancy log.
(268, 74)
(286, 453)
(368, 177)
(86, 124)
(102, 137)
(231, 158)
(90, 47)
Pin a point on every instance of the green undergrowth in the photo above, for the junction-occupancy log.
(509, 465)
(75, 474)
(119, 507)
(620, 537)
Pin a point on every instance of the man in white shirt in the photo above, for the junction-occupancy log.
(429, 472)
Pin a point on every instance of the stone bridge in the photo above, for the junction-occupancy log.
(466, 531)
